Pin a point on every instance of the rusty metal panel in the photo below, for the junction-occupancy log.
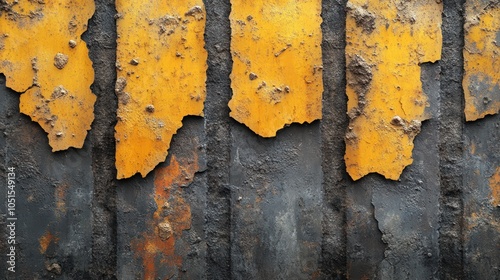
(53, 191)
(481, 205)
(277, 68)
(44, 58)
(392, 227)
(386, 42)
(481, 81)
(276, 196)
(161, 217)
(161, 64)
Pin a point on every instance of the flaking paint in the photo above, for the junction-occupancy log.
(44, 58)
(386, 42)
(161, 66)
(277, 67)
(481, 80)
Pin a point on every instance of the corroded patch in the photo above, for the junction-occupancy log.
(277, 68)
(386, 42)
(495, 188)
(156, 246)
(55, 78)
(161, 78)
(481, 81)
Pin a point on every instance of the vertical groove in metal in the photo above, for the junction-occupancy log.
(451, 142)
(218, 131)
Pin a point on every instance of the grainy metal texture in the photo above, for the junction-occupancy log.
(250, 207)
(451, 143)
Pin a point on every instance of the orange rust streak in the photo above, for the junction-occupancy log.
(45, 241)
(172, 210)
(495, 187)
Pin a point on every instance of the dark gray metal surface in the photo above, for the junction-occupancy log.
(277, 208)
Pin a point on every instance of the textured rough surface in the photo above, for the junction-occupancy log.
(161, 64)
(38, 61)
(277, 68)
(386, 42)
(481, 80)
(274, 208)
(162, 237)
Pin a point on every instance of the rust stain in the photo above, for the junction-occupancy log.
(161, 64)
(53, 74)
(481, 80)
(60, 198)
(277, 67)
(45, 240)
(156, 246)
(495, 188)
(386, 42)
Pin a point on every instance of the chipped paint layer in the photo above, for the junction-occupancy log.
(386, 42)
(481, 81)
(277, 68)
(495, 188)
(161, 78)
(156, 246)
(43, 56)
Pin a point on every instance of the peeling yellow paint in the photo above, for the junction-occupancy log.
(386, 41)
(161, 78)
(481, 81)
(495, 187)
(43, 56)
(277, 68)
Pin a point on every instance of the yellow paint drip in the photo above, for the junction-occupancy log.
(386, 41)
(277, 68)
(161, 78)
(43, 56)
(481, 81)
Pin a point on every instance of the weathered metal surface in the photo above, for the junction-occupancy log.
(161, 64)
(53, 230)
(161, 237)
(44, 58)
(392, 227)
(386, 42)
(283, 207)
(481, 208)
(481, 81)
(277, 68)
(275, 204)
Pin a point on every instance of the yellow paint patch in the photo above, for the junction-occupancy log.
(481, 81)
(43, 56)
(386, 41)
(161, 78)
(495, 188)
(277, 68)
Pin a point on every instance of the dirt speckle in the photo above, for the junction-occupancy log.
(59, 92)
(72, 43)
(252, 76)
(60, 60)
(164, 230)
(134, 61)
(150, 108)
(196, 12)
(54, 268)
(363, 18)
(411, 128)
